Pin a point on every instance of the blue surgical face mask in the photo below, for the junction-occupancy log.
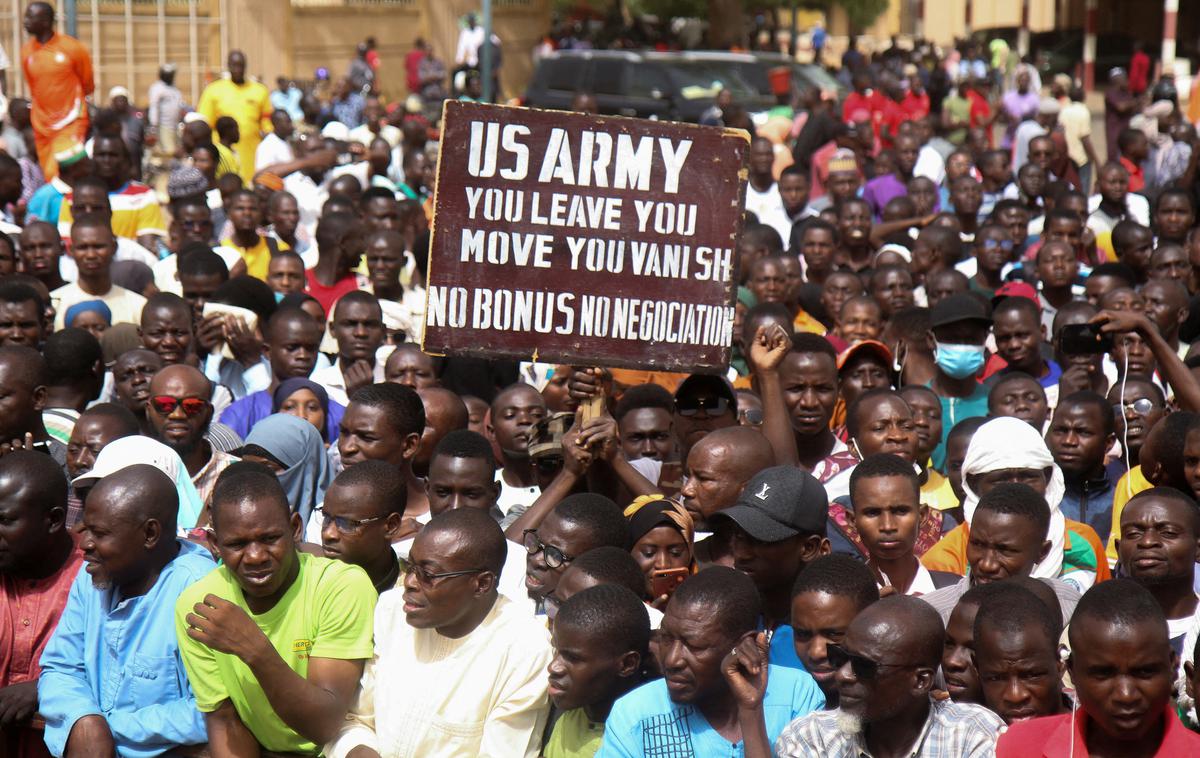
(959, 361)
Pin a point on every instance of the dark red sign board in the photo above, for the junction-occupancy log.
(587, 240)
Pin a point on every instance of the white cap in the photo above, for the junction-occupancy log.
(118, 91)
(131, 451)
(336, 130)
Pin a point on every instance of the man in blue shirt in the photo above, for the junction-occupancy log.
(112, 679)
(693, 711)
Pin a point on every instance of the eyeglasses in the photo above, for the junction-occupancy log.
(346, 525)
(864, 668)
(1005, 245)
(427, 579)
(534, 545)
(752, 417)
(166, 405)
(1141, 407)
(548, 463)
(551, 604)
(711, 406)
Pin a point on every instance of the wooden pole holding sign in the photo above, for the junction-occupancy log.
(584, 240)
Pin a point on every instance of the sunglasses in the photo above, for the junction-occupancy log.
(166, 405)
(864, 668)
(1141, 407)
(534, 545)
(711, 406)
(1005, 245)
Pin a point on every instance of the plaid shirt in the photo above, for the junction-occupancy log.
(952, 730)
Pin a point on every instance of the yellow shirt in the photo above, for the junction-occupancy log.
(326, 613)
(257, 258)
(249, 104)
(803, 322)
(1131, 483)
(937, 492)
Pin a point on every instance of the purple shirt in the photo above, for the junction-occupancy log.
(880, 190)
(1018, 107)
(243, 414)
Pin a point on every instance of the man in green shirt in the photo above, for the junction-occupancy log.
(600, 638)
(274, 640)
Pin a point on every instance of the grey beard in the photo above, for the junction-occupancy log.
(848, 723)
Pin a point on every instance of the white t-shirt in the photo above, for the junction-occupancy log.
(512, 495)
(272, 150)
(761, 204)
(126, 306)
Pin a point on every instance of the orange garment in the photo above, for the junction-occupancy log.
(803, 322)
(950, 553)
(59, 74)
(1193, 109)
(624, 378)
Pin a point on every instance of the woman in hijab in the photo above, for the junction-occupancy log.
(1008, 449)
(663, 544)
(291, 447)
(92, 315)
(304, 398)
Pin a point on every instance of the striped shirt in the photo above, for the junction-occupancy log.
(952, 730)
(135, 212)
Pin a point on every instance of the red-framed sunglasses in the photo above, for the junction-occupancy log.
(166, 404)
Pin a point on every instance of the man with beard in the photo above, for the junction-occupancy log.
(711, 699)
(179, 411)
(111, 679)
(885, 671)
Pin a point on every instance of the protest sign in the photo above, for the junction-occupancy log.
(580, 239)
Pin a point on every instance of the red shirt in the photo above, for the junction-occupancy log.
(1052, 737)
(1139, 72)
(890, 114)
(855, 101)
(1137, 175)
(915, 106)
(327, 296)
(981, 112)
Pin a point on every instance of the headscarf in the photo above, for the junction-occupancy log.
(88, 306)
(297, 445)
(652, 511)
(289, 387)
(1005, 443)
(137, 449)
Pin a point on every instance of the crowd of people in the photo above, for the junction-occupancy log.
(942, 503)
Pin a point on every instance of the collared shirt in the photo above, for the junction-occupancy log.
(335, 383)
(205, 479)
(119, 658)
(29, 612)
(944, 600)
(645, 722)
(431, 696)
(240, 380)
(952, 730)
(1064, 734)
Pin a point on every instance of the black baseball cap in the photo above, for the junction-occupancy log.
(778, 503)
(958, 307)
